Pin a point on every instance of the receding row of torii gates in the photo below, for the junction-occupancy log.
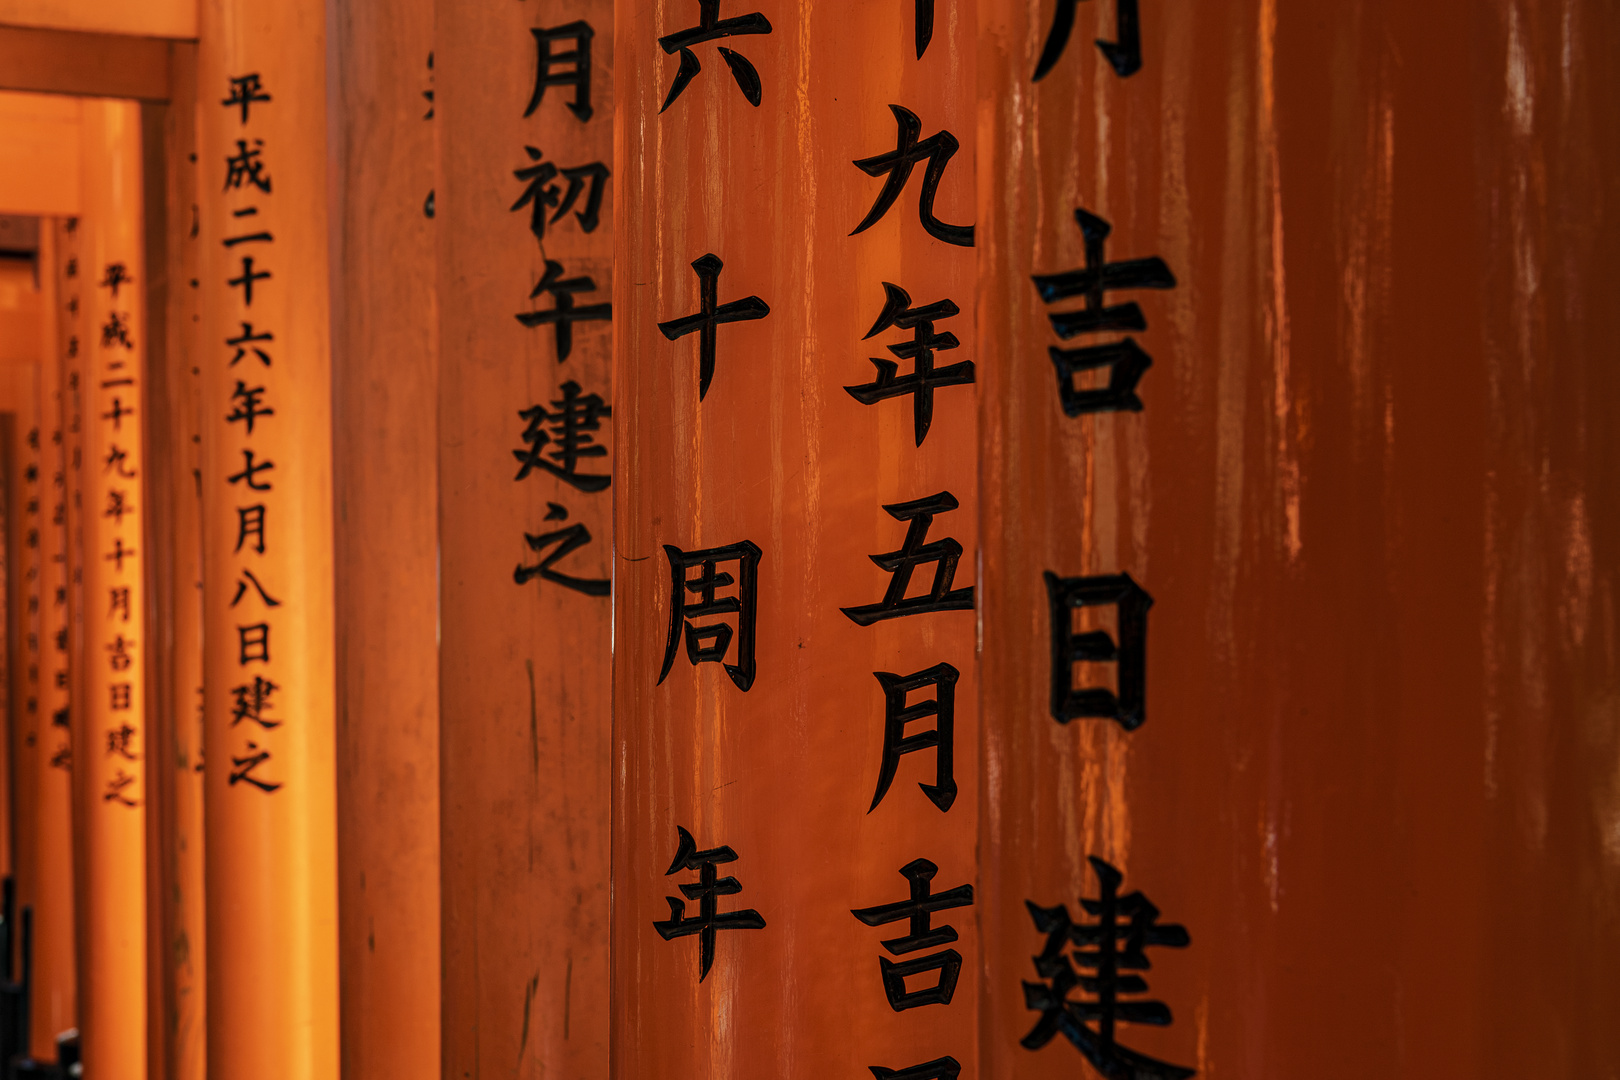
(929, 539)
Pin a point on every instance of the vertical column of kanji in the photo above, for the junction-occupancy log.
(109, 739)
(77, 287)
(1069, 309)
(52, 1002)
(27, 728)
(795, 676)
(386, 548)
(267, 542)
(523, 103)
(75, 358)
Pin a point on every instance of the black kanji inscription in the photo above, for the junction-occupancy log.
(1124, 360)
(245, 90)
(918, 912)
(709, 920)
(571, 421)
(1125, 927)
(942, 739)
(563, 315)
(915, 551)
(540, 193)
(1124, 54)
(710, 314)
(1128, 705)
(711, 27)
(711, 642)
(924, 377)
(575, 66)
(896, 166)
(566, 540)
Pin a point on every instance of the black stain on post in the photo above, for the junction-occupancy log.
(534, 723)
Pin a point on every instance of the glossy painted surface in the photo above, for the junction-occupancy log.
(777, 453)
(1371, 495)
(174, 614)
(524, 667)
(109, 734)
(271, 859)
(384, 474)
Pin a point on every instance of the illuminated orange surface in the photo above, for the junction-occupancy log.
(111, 751)
(385, 395)
(1369, 492)
(39, 155)
(272, 834)
(779, 454)
(150, 18)
(524, 668)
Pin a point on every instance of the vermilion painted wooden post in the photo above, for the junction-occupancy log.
(111, 750)
(173, 426)
(1365, 492)
(387, 503)
(53, 1002)
(795, 681)
(267, 542)
(523, 213)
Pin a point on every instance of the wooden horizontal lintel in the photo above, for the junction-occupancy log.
(89, 64)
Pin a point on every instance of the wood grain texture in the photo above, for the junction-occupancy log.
(777, 453)
(385, 404)
(271, 858)
(1364, 494)
(524, 668)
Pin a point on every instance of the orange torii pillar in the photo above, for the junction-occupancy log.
(386, 547)
(175, 526)
(25, 337)
(795, 677)
(73, 378)
(523, 102)
(266, 404)
(1299, 532)
(52, 1007)
(21, 345)
(27, 736)
(109, 730)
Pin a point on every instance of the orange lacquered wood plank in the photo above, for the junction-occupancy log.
(780, 455)
(53, 1001)
(1369, 502)
(173, 462)
(111, 750)
(386, 543)
(267, 542)
(525, 661)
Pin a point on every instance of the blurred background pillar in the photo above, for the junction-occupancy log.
(27, 333)
(52, 1008)
(109, 733)
(174, 611)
